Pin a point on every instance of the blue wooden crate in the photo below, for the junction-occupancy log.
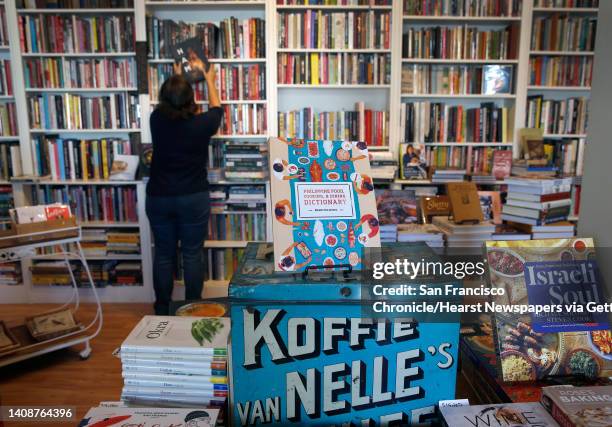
(303, 354)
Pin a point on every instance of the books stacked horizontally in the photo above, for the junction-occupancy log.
(176, 361)
(464, 235)
(428, 233)
(448, 175)
(388, 233)
(122, 243)
(245, 160)
(579, 406)
(556, 230)
(537, 201)
(162, 417)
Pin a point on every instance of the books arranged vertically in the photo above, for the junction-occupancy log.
(75, 112)
(464, 235)
(82, 73)
(10, 160)
(460, 42)
(566, 155)
(56, 33)
(179, 360)
(441, 122)
(104, 273)
(230, 38)
(566, 3)
(235, 82)
(474, 161)
(318, 29)
(537, 202)
(93, 203)
(456, 79)
(565, 116)
(244, 119)
(244, 227)
(76, 159)
(361, 124)
(566, 71)
(334, 2)
(6, 82)
(73, 4)
(563, 33)
(334, 68)
(8, 119)
(484, 8)
(4, 39)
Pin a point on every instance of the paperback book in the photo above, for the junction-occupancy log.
(160, 417)
(323, 201)
(579, 406)
(501, 415)
(566, 340)
(188, 54)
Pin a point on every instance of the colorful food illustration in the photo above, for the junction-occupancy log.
(354, 258)
(341, 226)
(351, 236)
(602, 341)
(205, 329)
(340, 253)
(200, 309)
(329, 164)
(303, 160)
(329, 261)
(331, 240)
(333, 176)
(517, 367)
(582, 362)
(304, 250)
(316, 173)
(505, 262)
(343, 155)
(313, 148)
(328, 147)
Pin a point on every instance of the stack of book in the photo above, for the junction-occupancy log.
(464, 235)
(122, 243)
(556, 230)
(245, 160)
(93, 241)
(127, 274)
(395, 208)
(428, 233)
(388, 233)
(537, 201)
(10, 273)
(532, 168)
(176, 361)
(448, 175)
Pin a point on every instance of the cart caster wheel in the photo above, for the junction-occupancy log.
(84, 355)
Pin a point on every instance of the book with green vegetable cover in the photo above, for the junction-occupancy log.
(179, 335)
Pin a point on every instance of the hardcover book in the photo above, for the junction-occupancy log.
(323, 203)
(564, 339)
(178, 334)
(397, 207)
(431, 206)
(502, 414)
(464, 202)
(413, 163)
(490, 203)
(502, 163)
(496, 79)
(579, 406)
(187, 54)
(161, 417)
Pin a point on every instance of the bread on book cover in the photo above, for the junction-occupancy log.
(161, 417)
(500, 415)
(563, 340)
(464, 201)
(396, 207)
(187, 53)
(178, 334)
(579, 406)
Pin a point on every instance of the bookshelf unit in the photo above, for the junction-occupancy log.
(382, 90)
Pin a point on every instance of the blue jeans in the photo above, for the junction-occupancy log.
(173, 219)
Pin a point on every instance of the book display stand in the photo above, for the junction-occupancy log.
(14, 247)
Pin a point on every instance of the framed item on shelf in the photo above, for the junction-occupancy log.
(496, 79)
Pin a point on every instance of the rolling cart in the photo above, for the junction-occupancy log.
(21, 243)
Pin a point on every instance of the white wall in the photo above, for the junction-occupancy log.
(596, 201)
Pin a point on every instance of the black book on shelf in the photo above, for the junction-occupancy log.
(186, 53)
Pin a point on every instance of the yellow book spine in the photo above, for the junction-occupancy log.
(105, 173)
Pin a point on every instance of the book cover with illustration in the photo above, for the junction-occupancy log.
(561, 275)
(502, 415)
(161, 417)
(187, 53)
(323, 203)
(397, 207)
(179, 334)
(413, 161)
(579, 406)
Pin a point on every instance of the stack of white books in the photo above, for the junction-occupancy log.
(464, 235)
(160, 417)
(176, 361)
(428, 233)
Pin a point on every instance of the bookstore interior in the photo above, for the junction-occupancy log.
(404, 203)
